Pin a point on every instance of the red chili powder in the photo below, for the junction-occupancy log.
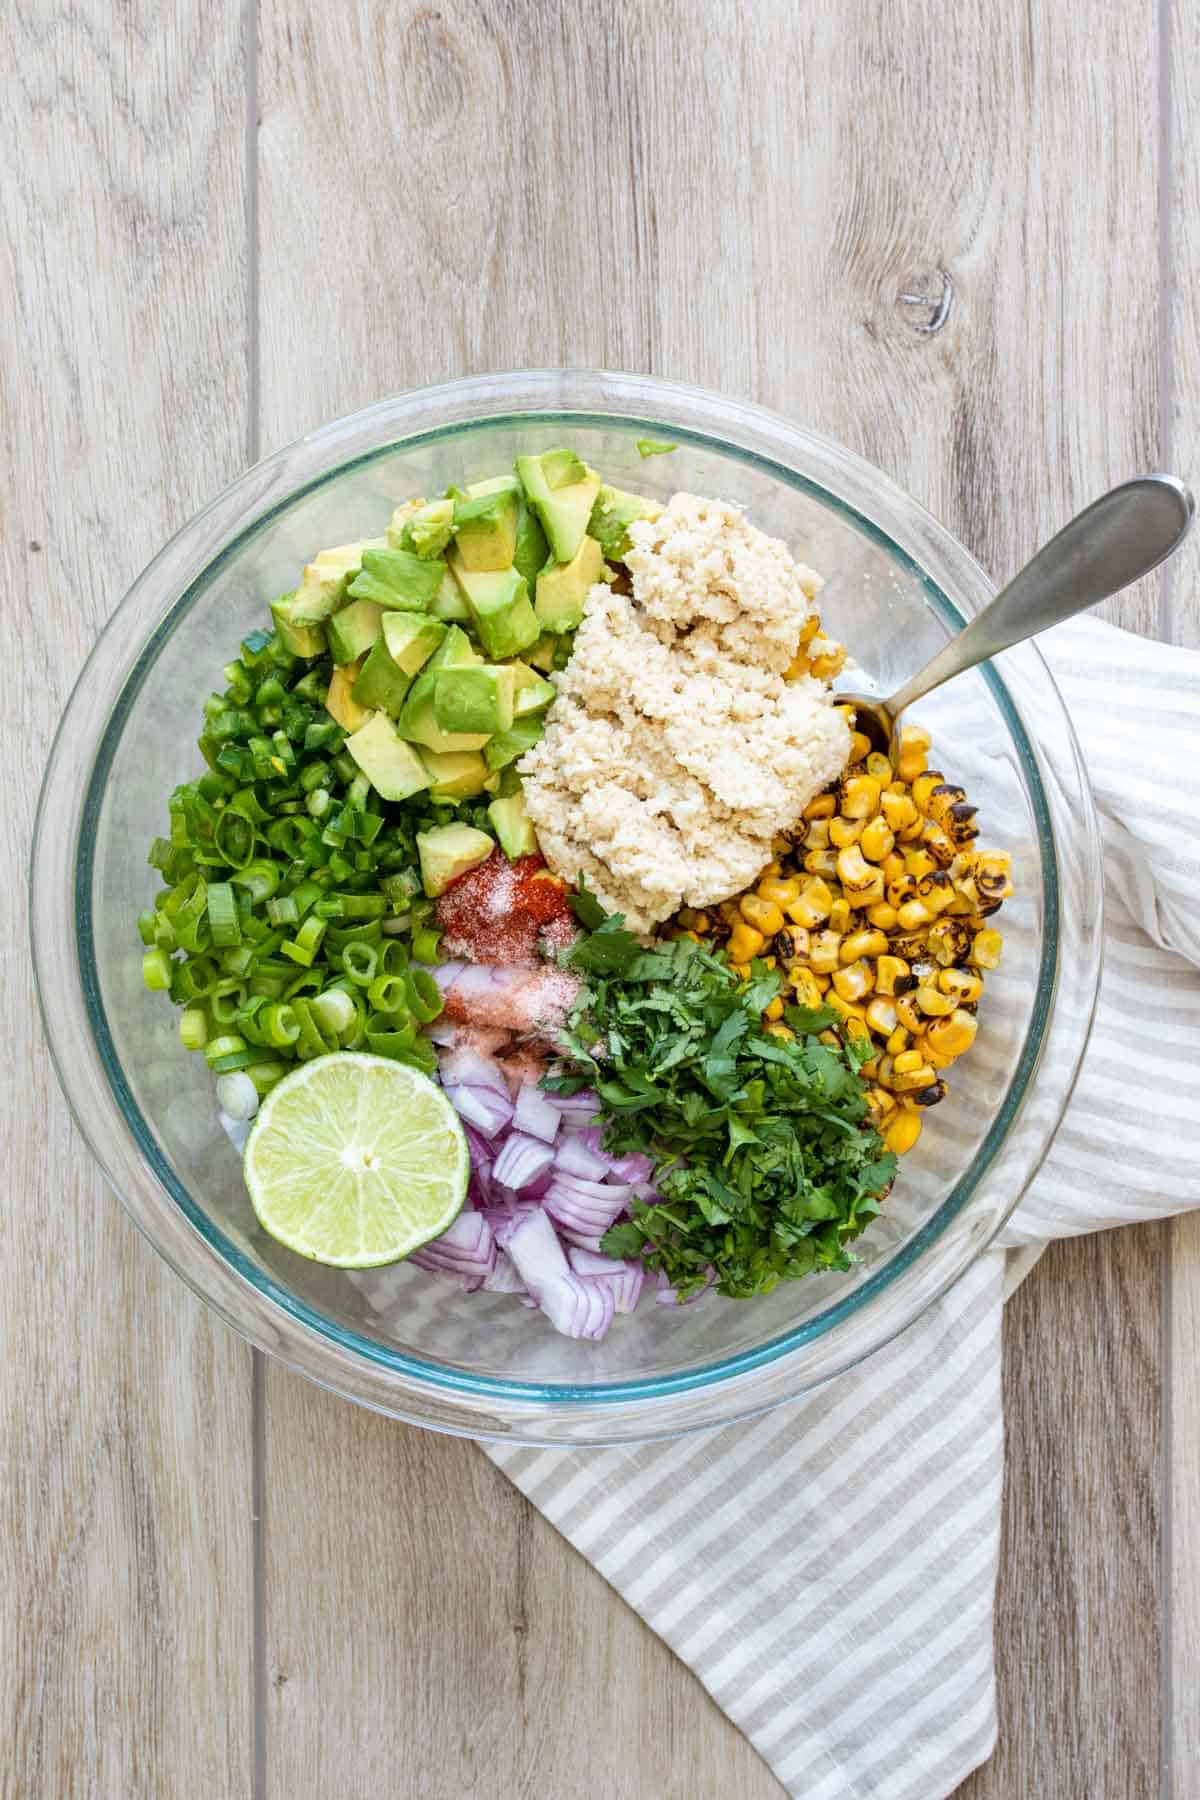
(497, 912)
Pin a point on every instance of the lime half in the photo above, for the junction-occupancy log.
(356, 1160)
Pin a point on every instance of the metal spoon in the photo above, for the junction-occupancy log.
(1114, 541)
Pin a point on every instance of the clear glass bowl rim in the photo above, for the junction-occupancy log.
(244, 509)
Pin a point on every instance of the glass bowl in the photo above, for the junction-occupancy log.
(396, 1340)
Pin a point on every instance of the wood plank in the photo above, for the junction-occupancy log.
(125, 1551)
(514, 186)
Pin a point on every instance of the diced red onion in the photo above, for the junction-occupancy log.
(633, 1167)
(577, 1213)
(534, 1113)
(583, 1240)
(467, 1248)
(572, 1157)
(576, 1108)
(626, 1277)
(602, 1192)
(446, 974)
(521, 1161)
(504, 1278)
(442, 1031)
(464, 1067)
(574, 1305)
(587, 1262)
(487, 1110)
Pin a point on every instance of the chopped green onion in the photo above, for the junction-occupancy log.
(280, 1025)
(424, 995)
(264, 1075)
(156, 970)
(426, 944)
(223, 914)
(361, 962)
(335, 1010)
(193, 1028)
(388, 993)
(218, 1047)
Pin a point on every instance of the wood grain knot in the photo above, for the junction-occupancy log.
(926, 300)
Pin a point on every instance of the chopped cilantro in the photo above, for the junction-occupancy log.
(767, 1159)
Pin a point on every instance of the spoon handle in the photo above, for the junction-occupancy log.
(1112, 542)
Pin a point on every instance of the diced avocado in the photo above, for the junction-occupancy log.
(505, 622)
(485, 529)
(352, 631)
(492, 784)
(613, 514)
(454, 774)
(448, 851)
(418, 722)
(302, 637)
(532, 693)
(543, 652)
(340, 703)
(513, 827)
(506, 746)
(427, 531)
(397, 522)
(475, 699)
(396, 578)
(391, 766)
(495, 484)
(562, 491)
(563, 587)
(456, 651)
(448, 602)
(381, 683)
(411, 639)
(327, 577)
(531, 549)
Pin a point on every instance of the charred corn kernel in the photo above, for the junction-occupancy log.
(863, 943)
(862, 882)
(936, 890)
(741, 970)
(891, 975)
(844, 832)
(745, 942)
(986, 948)
(950, 941)
(934, 1004)
(880, 1102)
(856, 1027)
(932, 1095)
(950, 1037)
(918, 863)
(702, 922)
(912, 914)
(858, 797)
(892, 866)
(770, 962)
(965, 986)
(774, 867)
(822, 807)
(884, 1077)
(854, 982)
(881, 1017)
(959, 825)
(935, 1060)
(810, 628)
(959, 906)
(685, 916)
(991, 876)
(942, 798)
(879, 768)
(912, 1083)
(812, 908)
(860, 746)
(796, 943)
(816, 836)
(902, 888)
(898, 1040)
(764, 915)
(840, 914)
(914, 752)
(823, 954)
(821, 862)
(831, 1038)
(883, 916)
(909, 1014)
(938, 845)
(877, 839)
(780, 1031)
(898, 810)
(907, 1061)
(901, 1132)
(829, 663)
(922, 789)
(780, 889)
(805, 986)
(773, 1009)
(799, 665)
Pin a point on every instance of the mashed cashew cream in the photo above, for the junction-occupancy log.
(675, 750)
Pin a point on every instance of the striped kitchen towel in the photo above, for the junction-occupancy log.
(828, 1569)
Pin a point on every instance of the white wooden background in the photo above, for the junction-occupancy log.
(220, 226)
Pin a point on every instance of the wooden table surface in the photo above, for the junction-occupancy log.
(965, 242)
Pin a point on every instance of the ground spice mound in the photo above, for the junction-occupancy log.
(504, 912)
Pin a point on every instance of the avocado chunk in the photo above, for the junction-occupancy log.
(454, 774)
(352, 631)
(381, 684)
(397, 522)
(418, 721)
(563, 587)
(449, 851)
(302, 637)
(505, 622)
(543, 653)
(391, 766)
(504, 747)
(396, 578)
(327, 577)
(613, 514)
(340, 703)
(427, 531)
(411, 639)
(448, 602)
(532, 694)
(456, 651)
(531, 549)
(562, 491)
(513, 827)
(485, 528)
(480, 698)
